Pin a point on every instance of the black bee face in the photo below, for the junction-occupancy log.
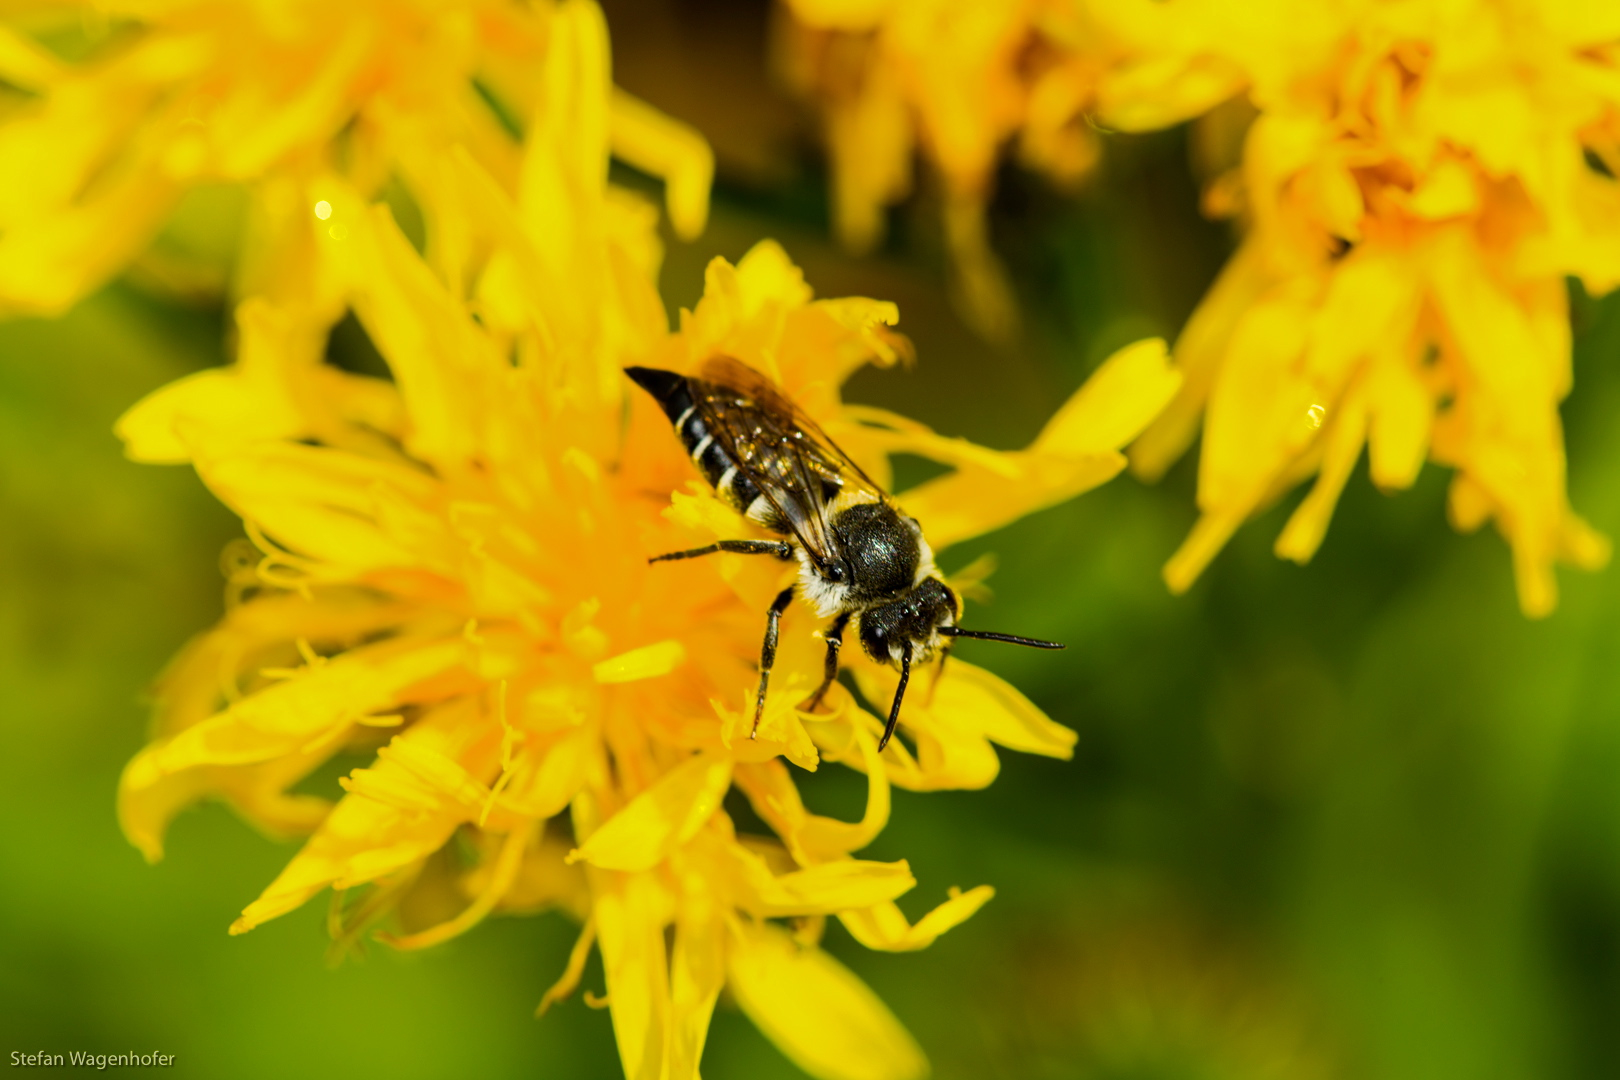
(915, 617)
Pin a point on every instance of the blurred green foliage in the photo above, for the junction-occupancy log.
(1355, 819)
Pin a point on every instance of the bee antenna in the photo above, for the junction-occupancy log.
(1011, 639)
(899, 695)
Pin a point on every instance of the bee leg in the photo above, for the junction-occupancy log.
(835, 638)
(767, 654)
(780, 548)
(899, 694)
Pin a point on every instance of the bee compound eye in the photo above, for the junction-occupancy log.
(836, 573)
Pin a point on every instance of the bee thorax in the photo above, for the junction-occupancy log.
(883, 550)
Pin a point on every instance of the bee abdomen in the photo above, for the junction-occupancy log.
(674, 394)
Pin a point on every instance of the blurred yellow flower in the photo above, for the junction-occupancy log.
(449, 572)
(174, 95)
(957, 81)
(1415, 178)
(1417, 181)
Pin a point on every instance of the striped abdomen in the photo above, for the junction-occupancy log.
(674, 394)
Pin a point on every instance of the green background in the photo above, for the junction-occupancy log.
(1359, 818)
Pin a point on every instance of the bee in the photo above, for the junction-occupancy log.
(862, 559)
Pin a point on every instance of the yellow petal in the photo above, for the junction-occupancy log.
(871, 141)
(1163, 92)
(1209, 534)
(823, 837)
(503, 874)
(286, 715)
(1451, 189)
(1336, 198)
(572, 972)
(1402, 410)
(697, 973)
(1077, 451)
(147, 805)
(221, 408)
(954, 725)
(330, 504)
(767, 277)
(1467, 505)
(190, 689)
(1371, 301)
(289, 726)
(562, 195)
(813, 838)
(51, 260)
(1583, 545)
(541, 790)
(1260, 408)
(1308, 525)
(655, 143)
(261, 136)
(816, 890)
(863, 336)
(853, 15)
(1121, 398)
(436, 353)
(781, 729)
(366, 838)
(1199, 353)
(951, 754)
(666, 814)
(816, 1011)
(970, 501)
(630, 924)
(982, 289)
(24, 64)
(647, 662)
(704, 514)
(988, 704)
(885, 927)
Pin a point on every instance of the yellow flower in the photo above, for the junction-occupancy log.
(956, 80)
(1418, 180)
(449, 572)
(178, 95)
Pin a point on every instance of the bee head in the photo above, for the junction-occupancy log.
(909, 629)
(916, 616)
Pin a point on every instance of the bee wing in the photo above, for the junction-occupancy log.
(788, 457)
